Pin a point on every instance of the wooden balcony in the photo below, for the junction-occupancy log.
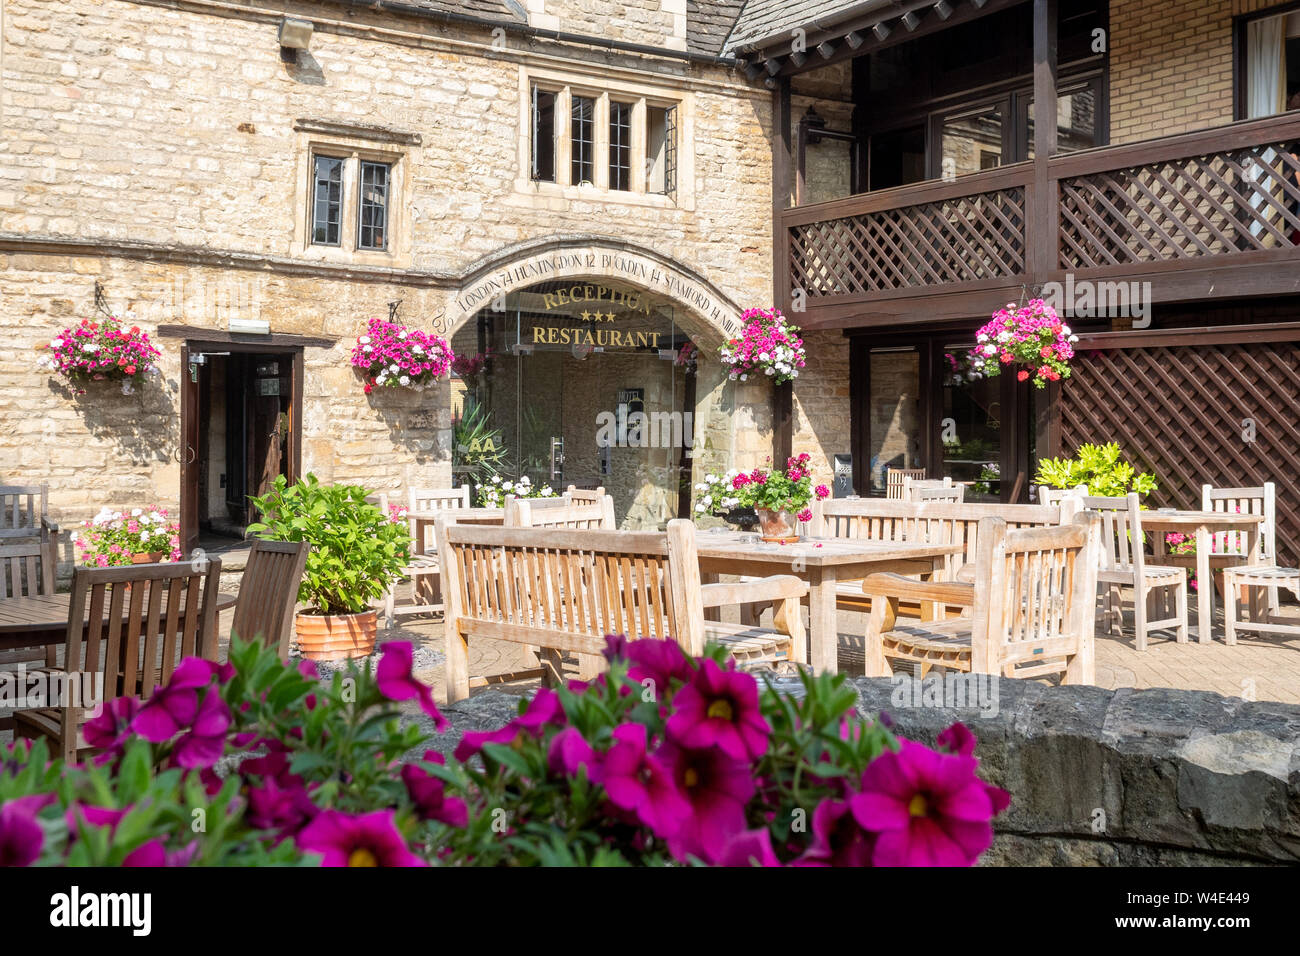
(1197, 216)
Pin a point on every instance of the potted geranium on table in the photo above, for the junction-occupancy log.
(99, 350)
(779, 498)
(138, 536)
(396, 356)
(357, 552)
(1032, 336)
(767, 345)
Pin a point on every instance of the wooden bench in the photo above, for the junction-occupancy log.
(1033, 607)
(566, 589)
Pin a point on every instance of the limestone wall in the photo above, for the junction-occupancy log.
(164, 150)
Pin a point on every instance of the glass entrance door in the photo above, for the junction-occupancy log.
(584, 384)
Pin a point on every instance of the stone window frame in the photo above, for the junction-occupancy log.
(353, 150)
(603, 89)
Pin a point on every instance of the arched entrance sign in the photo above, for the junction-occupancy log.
(583, 261)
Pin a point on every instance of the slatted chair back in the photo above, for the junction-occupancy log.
(1248, 501)
(133, 625)
(1035, 599)
(1053, 496)
(425, 500)
(931, 522)
(565, 589)
(268, 593)
(587, 495)
(895, 478)
(27, 570)
(525, 513)
(23, 512)
(939, 490)
(1123, 547)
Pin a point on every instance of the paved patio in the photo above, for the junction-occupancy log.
(1258, 667)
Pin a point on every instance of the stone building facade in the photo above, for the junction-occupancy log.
(162, 154)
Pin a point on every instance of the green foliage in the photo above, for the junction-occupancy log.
(1100, 467)
(477, 449)
(357, 550)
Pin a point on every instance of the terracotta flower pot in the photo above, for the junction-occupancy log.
(779, 526)
(147, 557)
(336, 637)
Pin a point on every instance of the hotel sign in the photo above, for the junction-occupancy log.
(585, 265)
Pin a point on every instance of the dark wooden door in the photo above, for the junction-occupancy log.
(187, 451)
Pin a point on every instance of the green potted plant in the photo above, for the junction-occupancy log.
(1100, 467)
(357, 553)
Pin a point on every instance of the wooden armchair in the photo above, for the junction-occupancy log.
(1124, 563)
(27, 570)
(24, 514)
(268, 593)
(915, 489)
(140, 622)
(896, 479)
(1033, 607)
(423, 570)
(593, 495)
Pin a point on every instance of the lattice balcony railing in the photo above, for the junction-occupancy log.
(1242, 200)
(952, 240)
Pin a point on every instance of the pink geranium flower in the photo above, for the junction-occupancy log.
(393, 675)
(368, 839)
(926, 808)
(719, 708)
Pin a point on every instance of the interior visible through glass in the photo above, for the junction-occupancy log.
(582, 383)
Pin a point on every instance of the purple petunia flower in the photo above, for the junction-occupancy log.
(21, 836)
(428, 793)
(926, 808)
(368, 839)
(719, 708)
(659, 663)
(717, 788)
(639, 785)
(393, 675)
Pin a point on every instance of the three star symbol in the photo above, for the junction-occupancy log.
(597, 316)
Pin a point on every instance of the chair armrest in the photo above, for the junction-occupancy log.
(965, 574)
(897, 586)
(775, 588)
(49, 525)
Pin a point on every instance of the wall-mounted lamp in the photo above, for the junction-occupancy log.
(826, 48)
(295, 35)
(881, 31)
(911, 21)
(854, 39)
(943, 9)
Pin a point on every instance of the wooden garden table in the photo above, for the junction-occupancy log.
(43, 620)
(823, 563)
(1203, 525)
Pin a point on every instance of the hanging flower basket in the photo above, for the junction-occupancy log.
(767, 345)
(101, 350)
(469, 366)
(1031, 336)
(396, 356)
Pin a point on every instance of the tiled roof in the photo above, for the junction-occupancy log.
(709, 22)
(766, 19)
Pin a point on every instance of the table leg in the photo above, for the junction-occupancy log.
(1204, 588)
(711, 613)
(823, 634)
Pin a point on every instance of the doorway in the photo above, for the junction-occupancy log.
(241, 428)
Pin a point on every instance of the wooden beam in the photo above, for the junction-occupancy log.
(1044, 206)
(249, 342)
(781, 169)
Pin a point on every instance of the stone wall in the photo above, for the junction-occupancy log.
(1121, 777)
(163, 147)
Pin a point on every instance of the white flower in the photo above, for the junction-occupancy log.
(394, 368)
(1065, 330)
(367, 348)
(402, 334)
(56, 343)
(363, 340)
(136, 512)
(90, 347)
(508, 486)
(404, 380)
(768, 371)
(744, 377)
